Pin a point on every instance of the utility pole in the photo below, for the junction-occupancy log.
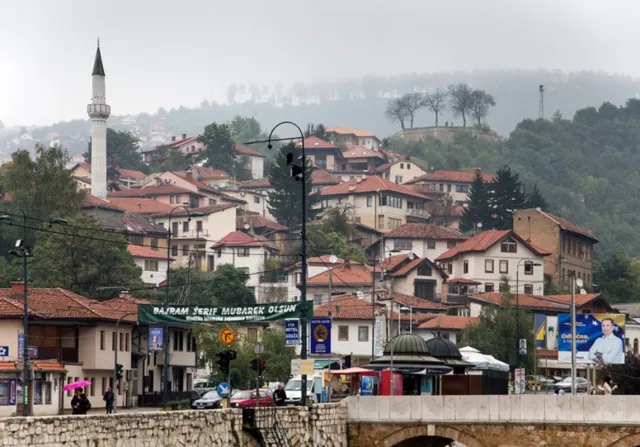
(573, 334)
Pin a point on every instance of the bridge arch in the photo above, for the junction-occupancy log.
(422, 431)
(632, 439)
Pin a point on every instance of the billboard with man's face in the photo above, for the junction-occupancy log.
(155, 338)
(599, 338)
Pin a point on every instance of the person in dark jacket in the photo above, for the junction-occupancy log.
(80, 404)
(109, 398)
(280, 396)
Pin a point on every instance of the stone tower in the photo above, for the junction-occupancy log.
(98, 111)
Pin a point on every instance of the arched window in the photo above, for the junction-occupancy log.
(635, 346)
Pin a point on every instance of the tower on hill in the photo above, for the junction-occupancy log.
(99, 112)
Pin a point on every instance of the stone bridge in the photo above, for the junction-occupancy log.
(494, 421)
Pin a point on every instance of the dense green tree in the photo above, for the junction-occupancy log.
(229, 287)
(479, 209)
(189, 286)
(316, 130)
(169, 159)
(219, 150)
(535, 199)
(506, 197)
(338, 245)
(625, 376)
(285, 201)
(122, 151)
(618, 278)
(245, 129)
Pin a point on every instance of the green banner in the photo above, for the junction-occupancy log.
(150, 313)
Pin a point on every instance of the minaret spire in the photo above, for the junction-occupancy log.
(99, 112)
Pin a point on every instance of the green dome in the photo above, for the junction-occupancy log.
(407, 344)
(441, 348)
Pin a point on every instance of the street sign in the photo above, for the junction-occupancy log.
(258, 349)
(223, 389)
(4, 351)
(227, 336)
(299, 367)
(20, 345)
(321, 336)
(32, 352)
(523, 346)
(292, 332)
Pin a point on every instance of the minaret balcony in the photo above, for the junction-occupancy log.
(98, 111)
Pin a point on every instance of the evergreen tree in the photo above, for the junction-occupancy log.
(219, 152)
(316, 130)
(285, 201)
(478, 209)
(535, 199)
(507, 196)
(122, 151)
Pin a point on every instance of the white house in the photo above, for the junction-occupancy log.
(424, 239)
(399, 171)
(353, 137)
(493, 254)
(153, 263)
(252, 160)
(448, 327)
(455, 183)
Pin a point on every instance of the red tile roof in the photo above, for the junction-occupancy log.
(451, 322)
(140, 205)
(135, 175)
(238, 239)
(527, 301)
(89, 201)
(208, 173)
(48, 366)
(411, 265)
(320, 177)
(361, 152)
(424, 231)
(581, 299)
(370, 184)
(348, 131)
(8, 366)
(569, 226)
(470, 282)
(417, 303)
(125, 303)
(348, 307)
(255, 221)
(392, 262)
(346, 274)
(138, 251)
(486, 240)
(148, 191)
(247, 150)
(317, 143)
(203, 209)
(451, 176)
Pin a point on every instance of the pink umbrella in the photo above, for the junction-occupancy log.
(78, 384)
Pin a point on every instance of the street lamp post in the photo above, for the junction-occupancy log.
(303, 251)
(533, 264)
(24, 252)
(115, 362)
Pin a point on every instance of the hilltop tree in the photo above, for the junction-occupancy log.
(316, 130)
(507, 197)
(245, 129)
(219, 150)
(285, 201)
(229, 287)
(461, 100)
(122, 151)
(478, 210)
(405, 107)
(436, 102)
(397, 112)
(479, 106)
(535, 199)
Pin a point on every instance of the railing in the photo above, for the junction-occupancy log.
(418, 212)
(265, 426)
(191, 234)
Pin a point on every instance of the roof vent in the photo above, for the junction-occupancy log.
(352, 187)
(364, 176)
(358, 180)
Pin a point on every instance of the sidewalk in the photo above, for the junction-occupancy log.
(102, 410)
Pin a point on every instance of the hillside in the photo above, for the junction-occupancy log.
(587, 167)
(353, 103)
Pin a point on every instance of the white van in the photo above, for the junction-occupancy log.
(293, 389)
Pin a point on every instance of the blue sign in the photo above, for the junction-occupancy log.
(292, 332)
(20, 345)
(366, 385)
(155, 338)
(4, 351)
(223, 389)
(599, 338)
(321, 336)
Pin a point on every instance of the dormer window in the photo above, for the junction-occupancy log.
(508, 246)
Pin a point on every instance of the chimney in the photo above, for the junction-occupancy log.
(173, 138)
(445, 291)
(189, 175)
(347, 264)
(184, 136)
(478, 170)
(17, 288)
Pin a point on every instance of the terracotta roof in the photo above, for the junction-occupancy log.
(569, 226)
(247, 150)
(203, 209)
(148, 191)
(417, 303)
(361, 152)
(424, 231)
(140, 205)
(8, 366)
(451, 176)
(319, 177)
(347, 307)
(392, 262)
(261, 183)
(204, 187)
(139, 251)
(255, 221)
(346, 274)
(370, 184)
(238, 239)
(581, 300)
(317, 143)
(125, 303)
(451, 322)
(470, 282)
(89, 201)
(209, 173)
(347, 131)
(486, 240)
(527, 301)
(136, 175)
(323, 260)
(48, 366)
(83, 179)
(174, 144)
(411, 265)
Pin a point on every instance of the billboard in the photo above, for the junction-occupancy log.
(599, 338)
(321, 336)
(155, 338)
(539, 329)
(292, 332)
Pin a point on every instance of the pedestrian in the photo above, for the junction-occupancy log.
(109, 398)
(80, 404)
(609, 387)
(280, 396)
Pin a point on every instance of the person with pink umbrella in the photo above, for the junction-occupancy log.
(79, 404)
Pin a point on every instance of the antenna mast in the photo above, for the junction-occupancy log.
(541, 107)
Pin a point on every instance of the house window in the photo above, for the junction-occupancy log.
(104, 385)
(340, 201)
(449, 188)
(174, 228)
(398, 179)
(343, 333)
(402, 244)
(465, 266)
(213, 201)
(113, 341)
(488, 265)
(174, 250)
(369, 201)
(256, 199)
(317, 299)
(243, 252)
(121, 346)
(431, 245)
(424, 289)
(528, 268)
(136, 239)
(185, 250)
(441, 187)
(154, 243)
(380, 221)
(252, 335)
(451, 244)
(102, 340)
(363, 333)
(408, 166)
(150, 266)
(462, 188)
(401, 165)
(508, 246)
(126, 342)
(424, 269)
(185, 227)
(528, 289)
(450, 268)
(199, 226)
(504, 266)
(488, 287)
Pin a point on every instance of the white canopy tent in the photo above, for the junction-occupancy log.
(482, 361)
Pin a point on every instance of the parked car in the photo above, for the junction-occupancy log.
(209, 400)
(202, 387)
(247, 398)
(581, 384)
(541, 381)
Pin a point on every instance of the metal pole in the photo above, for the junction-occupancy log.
(410, 320)
(25, 325)
(115, 363)
(257, 376)
(573, 335)
(517, 317)
(373, 287)
(391, 368)
(330, 293)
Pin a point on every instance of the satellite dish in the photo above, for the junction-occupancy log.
(583, 292)
(479, 225)
(247, 227)
(411, 256)
(360, 295)
(333, 259)
(579, 282)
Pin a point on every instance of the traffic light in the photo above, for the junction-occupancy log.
(224, 358)
(119, 370)
(262, 365)
(232, 355)
(346, 362)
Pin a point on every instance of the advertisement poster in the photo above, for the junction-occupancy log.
(20, 345)
(321, 336)
(155, 338)
(378, 336)
(292, 332)
(520, 384)
(366, 385)
(13, 391)
(539, 329)
(599, 339)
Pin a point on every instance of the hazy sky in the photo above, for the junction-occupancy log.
(170, 53)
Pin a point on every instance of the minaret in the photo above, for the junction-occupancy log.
(98, 111)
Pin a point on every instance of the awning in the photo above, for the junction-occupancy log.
(414, 369)
(350, 371)
(324, 364)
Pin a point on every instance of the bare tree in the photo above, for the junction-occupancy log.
(413, 102)
(405, 107)
(436, 102)
(480, 103)
(397, 112)
(460, 97)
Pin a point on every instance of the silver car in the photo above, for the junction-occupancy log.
(581, 385)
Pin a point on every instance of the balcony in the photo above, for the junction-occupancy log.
(191, 234)
(418, 213)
